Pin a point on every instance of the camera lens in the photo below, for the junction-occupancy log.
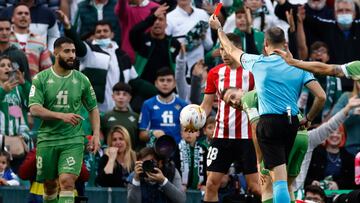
(148, 166)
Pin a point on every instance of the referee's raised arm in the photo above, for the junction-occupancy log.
(229, 47)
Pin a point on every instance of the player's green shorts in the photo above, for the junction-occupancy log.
(296, 155)
(55, 160)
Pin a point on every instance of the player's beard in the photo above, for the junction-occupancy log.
(75, 65)
(165, 95)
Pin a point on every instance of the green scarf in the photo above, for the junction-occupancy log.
(191, 164)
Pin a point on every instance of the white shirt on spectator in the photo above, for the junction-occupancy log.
(179, 23)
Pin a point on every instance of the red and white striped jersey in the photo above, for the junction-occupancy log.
(230, 122)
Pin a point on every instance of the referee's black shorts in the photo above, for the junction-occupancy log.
(276, 138)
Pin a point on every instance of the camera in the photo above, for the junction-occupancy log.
(149, 166)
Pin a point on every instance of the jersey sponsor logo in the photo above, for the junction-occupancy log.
(168, 119)
(112, 118)
(132, 118)
(50, 81)
(32, 91)
(177, 107)
(62, 99)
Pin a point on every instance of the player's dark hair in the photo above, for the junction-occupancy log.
(275, 36)
(164, 71)
(103, 22)
(62, 40)
(235, 39)
(316, 190)
(317, 45)
(120, 86)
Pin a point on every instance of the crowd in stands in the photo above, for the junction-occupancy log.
(146, 60)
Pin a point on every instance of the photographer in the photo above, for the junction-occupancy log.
(155, 180)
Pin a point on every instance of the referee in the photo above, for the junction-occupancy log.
(278, 85)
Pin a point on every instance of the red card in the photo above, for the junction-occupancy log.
(217, 9)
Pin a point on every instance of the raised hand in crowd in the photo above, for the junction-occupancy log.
(353, 103)
(290, 20)
(199, 68)
(161, 10)
(249, 20)
(63, 19)
(208, 7)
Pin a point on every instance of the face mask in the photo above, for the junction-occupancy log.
(103, 43)
(344, 19)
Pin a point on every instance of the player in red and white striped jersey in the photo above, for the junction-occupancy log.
(232, 137)
(230, 123)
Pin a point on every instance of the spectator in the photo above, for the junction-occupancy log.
(16, 55)
(162, 184)
(261, 20)
(52, 4)
(191, 161)
(312, 8)
(153, 49)
(89, 12)
(341, 35)
(319, 51)
(105, 64)
(34, 46)
(118, 161)
(318, 135)
(43, 21)
(315, 193)
(332, 164)
(352, 126)
(14, 91)
(7, 176)
(208, 131)
(191, 24)
(162, 111)
(193, 92)
(252, 38)
(131, 13)
(122, 115)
